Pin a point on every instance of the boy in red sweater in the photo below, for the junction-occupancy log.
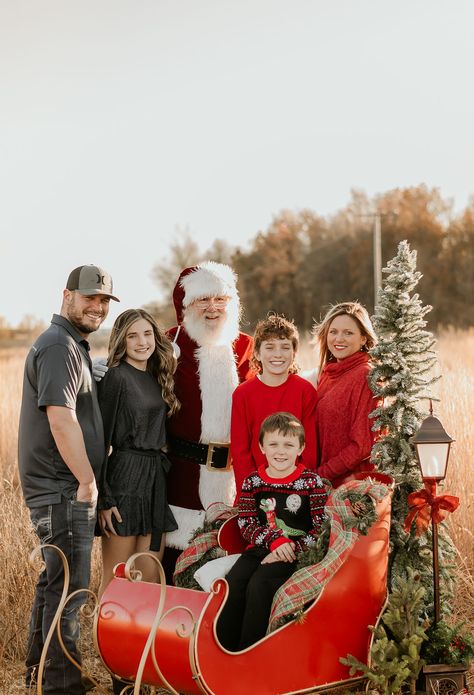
(281, 510)
(276, 387)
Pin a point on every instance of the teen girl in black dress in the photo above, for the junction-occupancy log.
(136, 395)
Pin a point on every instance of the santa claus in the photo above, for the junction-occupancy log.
(213, 357)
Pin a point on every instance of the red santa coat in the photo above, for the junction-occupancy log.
(204, 381)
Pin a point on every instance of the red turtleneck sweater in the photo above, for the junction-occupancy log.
(344, 402)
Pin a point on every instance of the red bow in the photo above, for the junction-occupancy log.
(424, 505)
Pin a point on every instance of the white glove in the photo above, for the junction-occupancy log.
(99, 368)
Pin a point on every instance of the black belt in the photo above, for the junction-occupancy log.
(151, 453)
(215, 455)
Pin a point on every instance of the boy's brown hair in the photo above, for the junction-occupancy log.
(285, 423)
(274, 326)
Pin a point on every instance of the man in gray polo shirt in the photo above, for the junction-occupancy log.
(61, 450)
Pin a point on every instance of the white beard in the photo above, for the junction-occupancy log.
(224, 332)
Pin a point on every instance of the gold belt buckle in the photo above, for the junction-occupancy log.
(210, 453)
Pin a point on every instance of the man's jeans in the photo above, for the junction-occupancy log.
(70, 526)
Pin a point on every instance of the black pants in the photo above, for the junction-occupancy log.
(252, 586)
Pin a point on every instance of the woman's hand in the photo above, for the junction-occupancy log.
(284, 553)
(105, 521)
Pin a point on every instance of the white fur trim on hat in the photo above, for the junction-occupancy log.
(210, 279)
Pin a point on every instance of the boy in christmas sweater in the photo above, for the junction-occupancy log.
(281, 510)
(275, 388)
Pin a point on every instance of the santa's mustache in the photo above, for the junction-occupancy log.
(223, 331)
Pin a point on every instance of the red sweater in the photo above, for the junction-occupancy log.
(252, 402)
(344, 402)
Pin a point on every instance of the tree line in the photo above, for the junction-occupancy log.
(303, 262)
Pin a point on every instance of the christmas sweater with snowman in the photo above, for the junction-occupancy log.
(273, 511)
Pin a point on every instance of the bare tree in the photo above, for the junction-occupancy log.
(183, 252)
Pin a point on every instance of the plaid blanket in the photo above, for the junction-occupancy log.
(207, 540)
(306, 584)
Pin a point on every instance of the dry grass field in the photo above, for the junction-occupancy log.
(17, 577)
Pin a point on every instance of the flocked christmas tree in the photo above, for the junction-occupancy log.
(402, 375)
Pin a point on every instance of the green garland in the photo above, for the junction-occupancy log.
(185, 579)
(364, 508)
(318, 550)
(362, 505)
(448, 645)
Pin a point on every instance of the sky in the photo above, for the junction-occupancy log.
(122, 121)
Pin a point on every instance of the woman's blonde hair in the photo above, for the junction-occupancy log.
(357, 312)
(161, 364)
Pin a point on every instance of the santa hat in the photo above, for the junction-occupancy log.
(207, 279)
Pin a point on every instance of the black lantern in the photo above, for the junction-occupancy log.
(433, 445)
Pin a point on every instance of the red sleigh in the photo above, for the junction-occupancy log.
(165, 636)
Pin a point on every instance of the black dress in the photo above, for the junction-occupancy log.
(134, 475)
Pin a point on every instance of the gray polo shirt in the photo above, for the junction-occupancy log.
(58, 371)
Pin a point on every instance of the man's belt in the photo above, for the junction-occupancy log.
(216, 455)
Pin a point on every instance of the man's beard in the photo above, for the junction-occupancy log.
(82, 327)
(78, 320)
(224, 333)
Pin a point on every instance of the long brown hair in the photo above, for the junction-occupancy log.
(161, 364)
(357, 312)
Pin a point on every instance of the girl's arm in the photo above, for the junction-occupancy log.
(110, 393)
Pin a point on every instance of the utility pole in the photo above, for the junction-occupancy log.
(377, 251)
(377, 244)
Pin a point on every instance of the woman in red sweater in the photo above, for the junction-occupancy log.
(344, 399)
(276, 387)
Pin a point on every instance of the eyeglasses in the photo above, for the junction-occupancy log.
(207, 301)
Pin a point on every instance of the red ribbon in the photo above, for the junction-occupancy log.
(425, 506)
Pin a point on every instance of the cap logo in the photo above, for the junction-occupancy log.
(90, 280)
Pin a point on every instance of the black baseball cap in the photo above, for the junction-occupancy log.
(89, 280)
